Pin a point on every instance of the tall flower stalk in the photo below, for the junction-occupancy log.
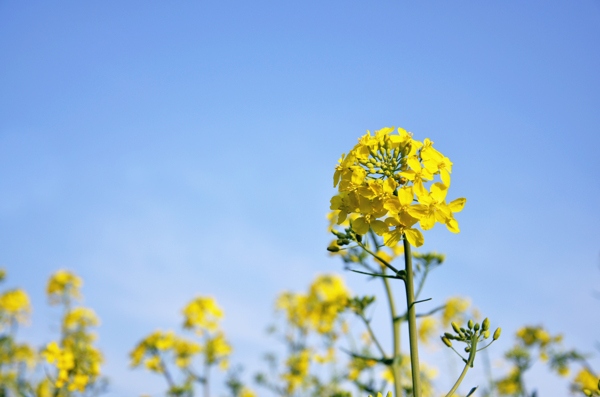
(387, 185)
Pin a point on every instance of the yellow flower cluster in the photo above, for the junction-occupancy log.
(80, 317)
(78, 364)
(202, 314)
(587, 382)
(537, 336)
(63, 285)
(77, 361)
(14, 306)
(380, 177)
(319, 309)
(150, 349)
(297, 371)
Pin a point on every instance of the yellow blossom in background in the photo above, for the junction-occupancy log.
(63, 285)
(246, 392)
(81, 317)
(428, 328)
(585, 380)
(217, 349)
(455, 310)
(202, 314)
(14, 305)
(511, 384)
(297, 370)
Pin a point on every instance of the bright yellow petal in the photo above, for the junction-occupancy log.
(365, 205)
(405, 196)
(418, 210)
(420, 190)
(360, 225)
(414, 163)
(439, 191)
(410, 175)
(379, 227)
(342, 217)
(430, 165)
(392, 238)
(414, 237)
(445, 175)
(392, 221)
(389, 186)
(358, 175)
(452, 225)
(406, 219)
(392, 204)
(457, 205)
(336, 178)
(427, 222)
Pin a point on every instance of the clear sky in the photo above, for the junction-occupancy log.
(167, 149)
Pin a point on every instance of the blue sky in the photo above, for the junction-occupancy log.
(163, 150)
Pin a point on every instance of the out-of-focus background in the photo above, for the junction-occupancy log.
(166, 149)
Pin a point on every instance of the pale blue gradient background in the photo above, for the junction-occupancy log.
(167, 149)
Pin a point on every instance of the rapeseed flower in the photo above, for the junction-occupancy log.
(377, 182)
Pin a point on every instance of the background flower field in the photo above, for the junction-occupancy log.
(167, 151)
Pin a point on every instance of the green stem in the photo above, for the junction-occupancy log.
(412, 321)
(378, 258)
(395, 323)
(468, 365)
(396, 331)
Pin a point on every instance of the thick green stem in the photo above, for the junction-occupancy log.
(412, 321)
(395, 367)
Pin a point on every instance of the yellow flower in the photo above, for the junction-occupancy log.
(14, 306)
(297, 370)
(81, 317)
(455, 310)
(585, 380)
(427, 329)
(346, 203)
(79, 382)
(154, 364)
(63, 284)
(344, 167)
(202, 314)
(217, 349)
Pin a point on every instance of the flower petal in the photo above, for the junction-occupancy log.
(414, 237)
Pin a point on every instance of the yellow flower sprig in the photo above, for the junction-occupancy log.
(381, 178)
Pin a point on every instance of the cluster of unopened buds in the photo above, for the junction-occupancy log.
(471, 336)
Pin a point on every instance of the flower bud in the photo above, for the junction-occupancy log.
(333, 248)
(446, 341)
(486, 324)
(340, 241)
(486, 334)
(448, 335)
(470, 324)
(455, 327)
(345, 241)
(358, 238)
(476, 327)
(467, 349)
(497, 334)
